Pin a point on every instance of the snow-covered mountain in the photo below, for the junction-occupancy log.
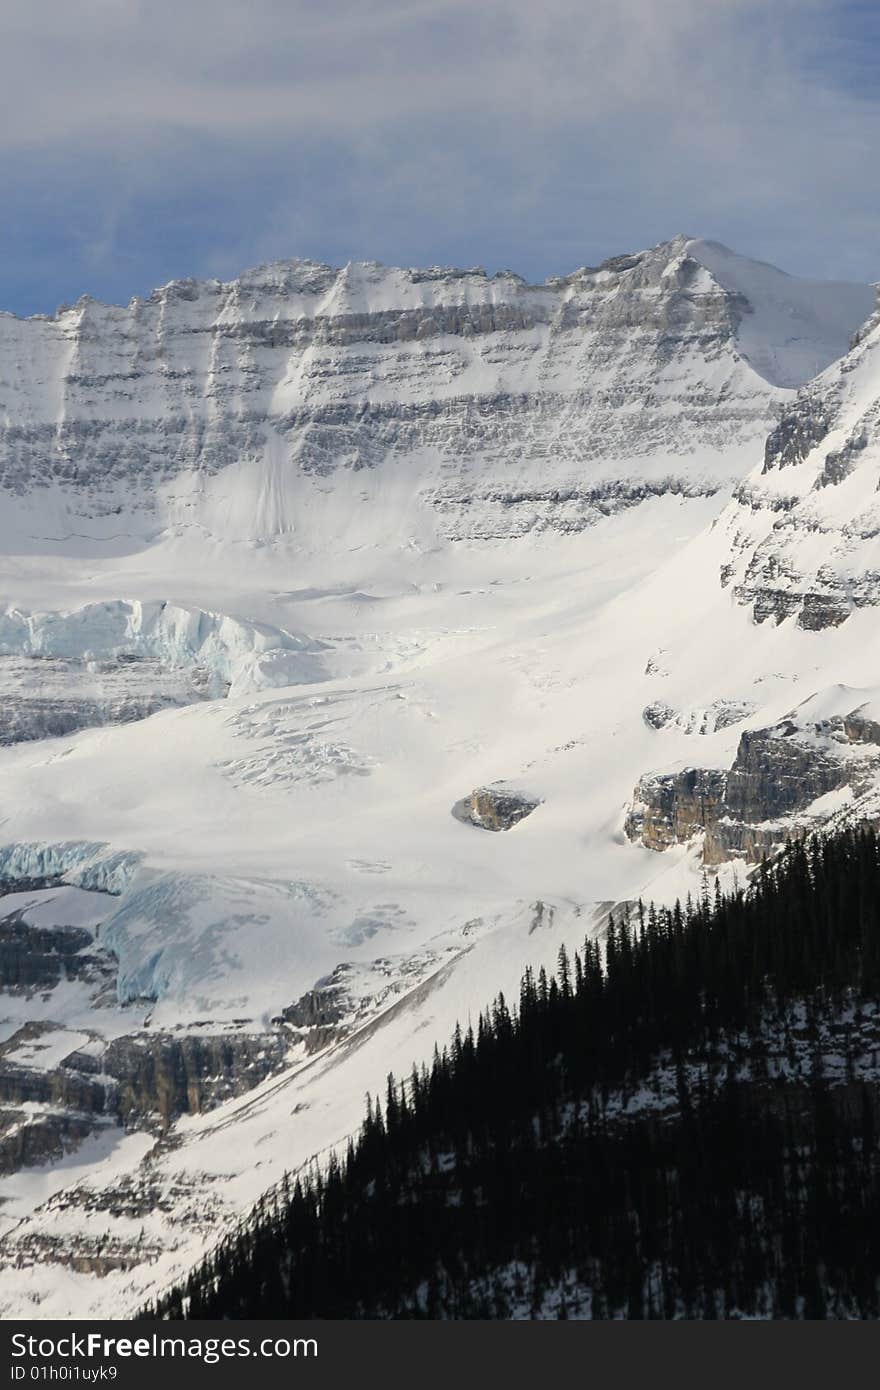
(295, 567)
(461, 404)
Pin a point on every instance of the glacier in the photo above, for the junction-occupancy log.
(236, 656)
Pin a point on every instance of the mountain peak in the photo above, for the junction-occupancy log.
(790, 329)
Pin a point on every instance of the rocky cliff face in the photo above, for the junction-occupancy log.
(139, 1081)
(158, 1078)
(669, 809)
(31, 957)
(778, 775)
(512, 406)
(28, 1139)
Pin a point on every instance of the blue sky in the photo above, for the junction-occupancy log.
(143, 139)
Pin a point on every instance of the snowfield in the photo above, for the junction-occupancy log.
(374, 639)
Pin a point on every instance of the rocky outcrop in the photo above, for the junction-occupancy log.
(799, 430)
(669, 809)
(62, 1086)
(863, 725)
(139, 1081)
(317, 1008)
(40, 957)
(44, 1112)
(658, 714)
(27, 1139)
(155, 1078)
(720, 714)
(777, 774)
(495, 808)
(321, 1015)
(108, 1228)
(728, 839)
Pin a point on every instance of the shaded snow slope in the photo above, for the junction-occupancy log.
(790, 329)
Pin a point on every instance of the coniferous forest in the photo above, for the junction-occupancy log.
(682, 1122)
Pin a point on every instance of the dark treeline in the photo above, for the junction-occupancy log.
(504, 1180)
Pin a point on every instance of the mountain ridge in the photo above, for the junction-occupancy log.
(124, 418)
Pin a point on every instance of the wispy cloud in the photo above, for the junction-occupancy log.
(159, 138)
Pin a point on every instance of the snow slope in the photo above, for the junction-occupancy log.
(498, 534)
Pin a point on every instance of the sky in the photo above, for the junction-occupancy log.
(145, 140)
